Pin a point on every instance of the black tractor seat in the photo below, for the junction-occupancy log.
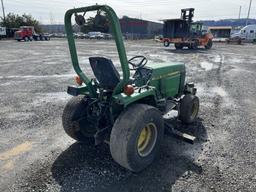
(105, 72)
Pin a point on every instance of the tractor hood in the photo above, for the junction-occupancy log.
(168, 78)
(164, 70)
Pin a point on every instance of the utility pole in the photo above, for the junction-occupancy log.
(239, 15)
(3, 9)
(248, 12)
(52, 21)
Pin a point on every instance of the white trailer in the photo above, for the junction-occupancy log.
(2, 32)
(246, 33)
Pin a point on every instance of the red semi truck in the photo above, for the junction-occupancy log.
(27, 33)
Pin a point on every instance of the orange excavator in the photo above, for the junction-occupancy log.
(183, 32)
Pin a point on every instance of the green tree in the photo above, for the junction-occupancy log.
(15, 21)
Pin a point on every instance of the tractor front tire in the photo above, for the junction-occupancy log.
(76, 109)
(209, 44)
(136, 136)
(189, 107)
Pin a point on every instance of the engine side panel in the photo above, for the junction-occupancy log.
(168, 78)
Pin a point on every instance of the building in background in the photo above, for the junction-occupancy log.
(60, 28)
(220, 32)
(133, 28)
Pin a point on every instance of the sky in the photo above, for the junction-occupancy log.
(52, 11)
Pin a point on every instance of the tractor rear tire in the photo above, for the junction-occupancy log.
(76, 109)
(178, 46)
(166, 43)
(136, 136)
(189, 107)
(209, 44)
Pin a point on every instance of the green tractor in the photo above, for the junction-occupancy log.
(125, 112)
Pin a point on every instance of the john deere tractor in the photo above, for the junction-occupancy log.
(125, 111)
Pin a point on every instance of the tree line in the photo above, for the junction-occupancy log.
(15, 21)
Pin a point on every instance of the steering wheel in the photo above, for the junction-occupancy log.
(136, 65)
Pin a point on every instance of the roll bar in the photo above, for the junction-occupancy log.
(117, 34)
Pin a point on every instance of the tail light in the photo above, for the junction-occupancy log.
(78, 80)
(128, 90)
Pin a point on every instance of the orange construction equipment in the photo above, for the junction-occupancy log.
(183, 32)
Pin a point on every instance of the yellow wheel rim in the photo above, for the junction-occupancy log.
(147, 139)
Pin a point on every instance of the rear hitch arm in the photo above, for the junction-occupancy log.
(183, 136)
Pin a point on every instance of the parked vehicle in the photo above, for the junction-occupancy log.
(41, 37)
(107, 36)
(27, 33)
(2, 32)
(183, 32)
(86, 36)
(246, 33)
(80, 35)
(75, 35)
(59, 35)
(234, 40)
(158, 38)
(95, 35)
(24, 33)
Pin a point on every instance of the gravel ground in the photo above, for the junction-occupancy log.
(36, 154)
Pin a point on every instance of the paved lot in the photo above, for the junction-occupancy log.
(36, 154)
